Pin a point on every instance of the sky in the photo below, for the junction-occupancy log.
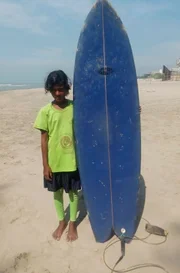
(39, 36)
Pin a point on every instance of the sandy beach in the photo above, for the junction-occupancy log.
(27, 213)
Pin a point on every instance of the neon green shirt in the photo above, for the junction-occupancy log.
(61, 147)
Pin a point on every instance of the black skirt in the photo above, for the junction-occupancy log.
(69, 181)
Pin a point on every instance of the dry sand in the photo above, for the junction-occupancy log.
(27, 214)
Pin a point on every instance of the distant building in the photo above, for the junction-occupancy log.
(160, 71)
(167, 73)
(178, 63)
(172, 74)
(175, 74)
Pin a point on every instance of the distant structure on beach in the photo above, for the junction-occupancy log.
(172, 74)
(165, 74)
(178, 62)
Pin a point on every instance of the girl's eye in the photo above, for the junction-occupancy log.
(59, 89)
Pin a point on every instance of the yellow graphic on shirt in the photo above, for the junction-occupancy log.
(66, 142)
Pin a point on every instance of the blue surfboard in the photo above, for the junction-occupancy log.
(107, 124)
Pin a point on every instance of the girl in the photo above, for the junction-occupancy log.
(55, 121)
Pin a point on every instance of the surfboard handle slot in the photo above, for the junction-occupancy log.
(105, 70)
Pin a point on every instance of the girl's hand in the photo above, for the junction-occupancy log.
(47, 173)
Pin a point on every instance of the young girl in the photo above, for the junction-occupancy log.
(55, 121)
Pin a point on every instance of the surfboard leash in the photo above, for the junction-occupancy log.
(151, 230)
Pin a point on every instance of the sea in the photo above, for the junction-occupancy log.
(17, 86)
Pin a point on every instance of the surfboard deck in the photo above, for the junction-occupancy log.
(107, 124)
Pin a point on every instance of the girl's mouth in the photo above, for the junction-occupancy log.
(58, 98)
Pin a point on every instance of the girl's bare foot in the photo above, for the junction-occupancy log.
(59, 231)
(72, 232)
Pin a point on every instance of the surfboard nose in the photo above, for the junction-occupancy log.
(105, 3)
(102, 9)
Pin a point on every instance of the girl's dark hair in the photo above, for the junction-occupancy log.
(57, 77)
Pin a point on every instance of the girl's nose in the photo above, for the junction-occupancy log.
(58, 92)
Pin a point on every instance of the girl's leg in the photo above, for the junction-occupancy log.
(59, 205)
(73, 197)
(72, 233)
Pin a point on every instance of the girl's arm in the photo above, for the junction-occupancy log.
(44, 149)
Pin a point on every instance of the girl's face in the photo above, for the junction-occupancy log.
(59, 93)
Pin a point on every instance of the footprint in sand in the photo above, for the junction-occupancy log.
(21, 263)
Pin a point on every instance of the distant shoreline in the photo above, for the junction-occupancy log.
(23, 89)
(11, 87)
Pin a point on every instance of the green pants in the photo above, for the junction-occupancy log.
(59, 205)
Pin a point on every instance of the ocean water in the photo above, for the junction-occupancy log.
(17, 86)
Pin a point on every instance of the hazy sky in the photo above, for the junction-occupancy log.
(40, 35)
